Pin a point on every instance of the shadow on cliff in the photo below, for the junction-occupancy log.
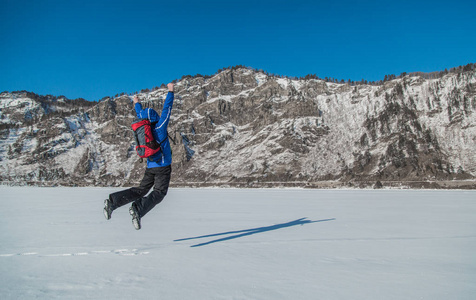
(247, 232)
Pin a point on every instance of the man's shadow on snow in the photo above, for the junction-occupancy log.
(246, 232)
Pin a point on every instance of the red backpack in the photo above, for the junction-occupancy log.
(146, 145)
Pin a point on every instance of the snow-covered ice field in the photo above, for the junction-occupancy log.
(239, 244)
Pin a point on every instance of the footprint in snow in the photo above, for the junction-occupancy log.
(122, 252)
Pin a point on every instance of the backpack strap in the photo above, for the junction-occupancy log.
(152, 125)
(161, 148)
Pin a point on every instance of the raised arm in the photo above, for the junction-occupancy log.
(166, 110)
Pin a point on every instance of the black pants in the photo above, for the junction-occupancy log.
(159, 178)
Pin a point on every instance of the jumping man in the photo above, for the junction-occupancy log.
(158, 171)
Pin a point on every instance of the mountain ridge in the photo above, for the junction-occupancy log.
(252, 129)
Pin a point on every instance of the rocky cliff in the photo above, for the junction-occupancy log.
(250, 129)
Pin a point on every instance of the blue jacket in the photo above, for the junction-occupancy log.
(162, 158)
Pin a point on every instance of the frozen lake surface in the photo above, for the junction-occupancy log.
(239, 244)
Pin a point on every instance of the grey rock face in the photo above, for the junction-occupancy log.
(250, 129)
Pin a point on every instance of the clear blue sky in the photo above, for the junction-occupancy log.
(92, 49)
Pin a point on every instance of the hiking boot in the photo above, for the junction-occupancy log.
(107, 209)
(135, 216)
